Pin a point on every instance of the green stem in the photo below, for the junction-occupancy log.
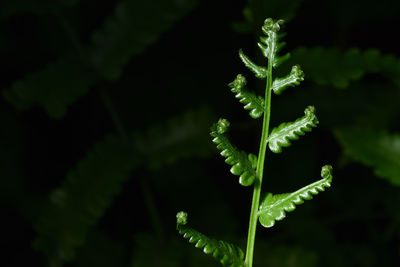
(259, 171)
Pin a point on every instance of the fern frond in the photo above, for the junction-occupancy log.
(339, 68)
(180, 137)
(54, 88)
(242, 165)
(274, 207)
(377, 149)
(270, 45)
(129, 31)
(83, 198)
(252, 102)
(282, 135)
(125, 34)
(259, 71)
(294, 78)
(227, 254)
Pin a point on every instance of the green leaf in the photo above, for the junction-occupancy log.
(282, 135)
(125, 34)
(182, 136)
(243, 165)
(252, 102)
(54, 88)
(259, 71)
(294, 78)
(83, 198)
(227, 254)
(374, 148)
(273, 207)
(270, 45)
(129, 31)
(339, 68)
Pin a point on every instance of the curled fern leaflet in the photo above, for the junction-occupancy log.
(287, 131)
(259, 72)
(227, 254)
(243, 165)
(274, 207)
(252, 102)
(294, 78)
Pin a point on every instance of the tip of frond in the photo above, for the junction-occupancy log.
(181, 218)
(222, 125)
(326, 172)
(271, 25)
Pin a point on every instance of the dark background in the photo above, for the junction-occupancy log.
(105, 115)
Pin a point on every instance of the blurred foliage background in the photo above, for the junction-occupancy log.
(105, 113)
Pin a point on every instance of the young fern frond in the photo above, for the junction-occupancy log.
(288, 131)
(273, 207)
(251, 168)
(243, 165)
(259, 71)
(227, 254)
(252, 102)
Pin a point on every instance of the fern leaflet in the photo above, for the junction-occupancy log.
(259, 71)
(294, 78)
(273, 207)
(227, 254)
(243, 165)
(282, 135)
(252, 102)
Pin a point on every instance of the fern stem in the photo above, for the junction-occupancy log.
(260, 171)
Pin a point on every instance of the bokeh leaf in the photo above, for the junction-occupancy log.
(339, 68)
(83, 198)
(377, 149)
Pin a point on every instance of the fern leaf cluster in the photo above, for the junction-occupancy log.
(227, 254)
(242, 165)
(273, 207)
(289, 131)
(252, 102)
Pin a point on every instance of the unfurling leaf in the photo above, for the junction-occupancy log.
(243, 165)
(270, 45)
(274, 207)
(294, 78)
(252, 102)
(287, 131)
(260, 72)
(227, 254)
